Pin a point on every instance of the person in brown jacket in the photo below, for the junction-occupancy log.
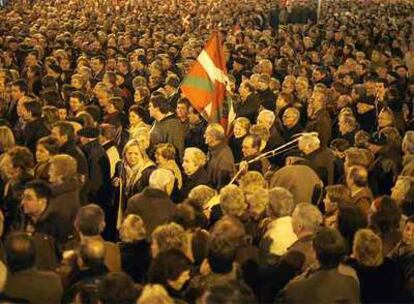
(357, 181)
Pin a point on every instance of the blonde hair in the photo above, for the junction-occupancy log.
(154, 294)
(170, 236)
(7, 140)
(65, 165)
(232, 200)
(133, 228)
(367, 248)
(251, 182)
(198, 156)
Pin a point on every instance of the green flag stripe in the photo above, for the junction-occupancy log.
(199, 83)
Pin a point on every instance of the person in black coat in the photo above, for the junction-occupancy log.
(35, 126)
(154, 204)
(135, 250)
(195, 174)
(374, 270)
(65, 134)
(99, 167)
(250, 104)
(195, 133)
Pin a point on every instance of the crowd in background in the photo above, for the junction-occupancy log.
(116, 190)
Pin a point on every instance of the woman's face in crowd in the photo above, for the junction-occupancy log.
(42, 154)
(134, 119)
(290, 118)
(189, 165)
(239, 131)
(133, 156)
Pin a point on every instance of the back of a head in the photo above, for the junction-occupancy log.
(307, 217)
(90, 220)
(92, 252)
(281, 202)
(20, 251)
(161, 178)
(168, 266)
(329, 247)
(117, 287)
(232, 200)
(367, 248)
(202, 194)
(170, 236)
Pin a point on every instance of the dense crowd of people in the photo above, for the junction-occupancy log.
(116, 190)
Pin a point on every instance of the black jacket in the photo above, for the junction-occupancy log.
(136, 258)
(200, 177)
(99, 174)
(65, 202)
(33, 131)
(169, 130)
(249, 108)
(268, 99)
(154, 207)
(195, 136)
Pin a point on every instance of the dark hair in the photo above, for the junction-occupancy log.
(89, 220)
(350, 220)
(200, 243)
(21, 84)
(185, 216)
(21, 157)
(20, 251)
(388, 215)
(79, 96)
(67, 91)
(117, 102)
(117, 287)
(66, 128)
(161, 103)
(329, 247)
(49, 82)
(34, 107)
(50, 143)
(221, 255)
(168, 265)
(137, 110)
(184, 101)
(40, 187)
(51, 97)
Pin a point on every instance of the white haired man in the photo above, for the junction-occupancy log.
(154, 204)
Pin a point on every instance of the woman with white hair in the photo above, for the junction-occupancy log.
(194, 172)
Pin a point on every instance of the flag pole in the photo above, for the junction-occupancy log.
(319, 11)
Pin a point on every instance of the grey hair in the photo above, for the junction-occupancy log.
(232, 200)
(198, 156)
(307, 216)
(160, 178)
(217, 131)
(281, 202)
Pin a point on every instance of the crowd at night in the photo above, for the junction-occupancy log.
(118, 185)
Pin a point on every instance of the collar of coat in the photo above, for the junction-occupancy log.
(155, 193)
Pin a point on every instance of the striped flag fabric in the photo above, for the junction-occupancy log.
(205, 83)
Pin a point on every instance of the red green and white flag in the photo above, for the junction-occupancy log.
(205, 84)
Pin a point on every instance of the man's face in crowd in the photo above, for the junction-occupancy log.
(182, 111)
(61, 138)
(247, 147)
(16, 93)
(31, 204)
(75, 104)
(408, 233)
(96, 65)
